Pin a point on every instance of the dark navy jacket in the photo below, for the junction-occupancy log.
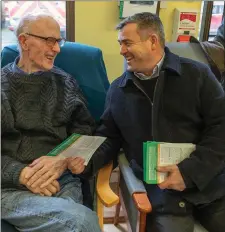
(188, 107)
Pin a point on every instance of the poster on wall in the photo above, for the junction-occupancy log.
(188, 21)
(185, 23)
(128, 8)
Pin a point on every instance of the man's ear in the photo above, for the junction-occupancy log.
(154, 40)
(22, 38)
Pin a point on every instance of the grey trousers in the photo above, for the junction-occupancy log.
(211, 216)
(63, 212)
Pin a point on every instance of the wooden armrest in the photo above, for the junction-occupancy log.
(105, 193)
(142, 202)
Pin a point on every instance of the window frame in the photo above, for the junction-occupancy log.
(206, 20)
(70, 21)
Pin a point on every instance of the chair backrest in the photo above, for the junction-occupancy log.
(85, 63)
(188, 50)
(194, 51)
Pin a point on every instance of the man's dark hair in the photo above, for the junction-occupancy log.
(146, 21)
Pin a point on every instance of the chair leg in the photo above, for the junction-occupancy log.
(117, 214)
(141, 222)
(118, 206)
(100, 212)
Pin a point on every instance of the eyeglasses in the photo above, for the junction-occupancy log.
(50, 40)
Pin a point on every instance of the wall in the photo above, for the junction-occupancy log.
(95, 23)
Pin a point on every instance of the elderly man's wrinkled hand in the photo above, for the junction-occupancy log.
(76, 164)
(49, 190)
(174, 180)
(45, 170)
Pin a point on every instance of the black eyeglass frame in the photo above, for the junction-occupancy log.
(50, 40)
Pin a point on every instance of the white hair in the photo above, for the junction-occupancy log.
(26, 22)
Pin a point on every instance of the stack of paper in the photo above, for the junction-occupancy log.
(162, 154)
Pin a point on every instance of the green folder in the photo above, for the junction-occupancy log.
(161, 153)
(64, 145)
(150, 157)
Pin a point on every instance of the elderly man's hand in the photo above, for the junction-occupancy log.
(76, 164)
(174, 180)
(49, 190)
(45, 170)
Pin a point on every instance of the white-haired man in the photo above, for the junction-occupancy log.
(41, 106)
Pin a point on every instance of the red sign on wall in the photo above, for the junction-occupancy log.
(188, 21)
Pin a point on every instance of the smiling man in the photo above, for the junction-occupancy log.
(41, 106)
(166, 98)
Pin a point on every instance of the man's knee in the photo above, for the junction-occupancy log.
(57, 214)
(90, 221)
(214, 224)
(80, 218)
(212, 216)
(170, 223)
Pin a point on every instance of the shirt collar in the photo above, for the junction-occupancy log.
(170, 63)
(17, 69)
(155, 72)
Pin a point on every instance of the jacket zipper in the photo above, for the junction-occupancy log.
(152, 102)
(140, 88)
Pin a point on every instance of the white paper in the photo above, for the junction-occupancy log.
(173, 153)
(83, 147)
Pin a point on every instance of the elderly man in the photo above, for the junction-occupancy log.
(41, 106)
(166, 98)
